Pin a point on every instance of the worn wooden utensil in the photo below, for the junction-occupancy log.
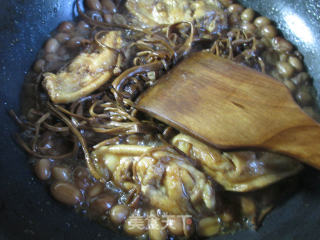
(232, 106)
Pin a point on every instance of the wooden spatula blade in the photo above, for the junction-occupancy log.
(225, 104)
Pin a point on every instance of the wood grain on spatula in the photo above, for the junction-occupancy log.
(230, 106)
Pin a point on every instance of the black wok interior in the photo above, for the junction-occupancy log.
(27, 211)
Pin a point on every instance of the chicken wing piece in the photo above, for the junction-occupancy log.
(239, 171)
(152, 13)
(164, 178)
(86, 73)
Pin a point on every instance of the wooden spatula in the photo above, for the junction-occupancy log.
(231, 106)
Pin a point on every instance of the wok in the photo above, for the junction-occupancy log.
(27, 211)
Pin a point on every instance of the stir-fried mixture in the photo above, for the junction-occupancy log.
(127, 170)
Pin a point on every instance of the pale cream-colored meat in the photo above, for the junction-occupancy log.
(167, 180)
(238, 171)
(86, 73)
(155, 12)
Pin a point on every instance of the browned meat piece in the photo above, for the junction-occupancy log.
(86, 73)
(152, 13)
(238, 171)
(167, 180)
